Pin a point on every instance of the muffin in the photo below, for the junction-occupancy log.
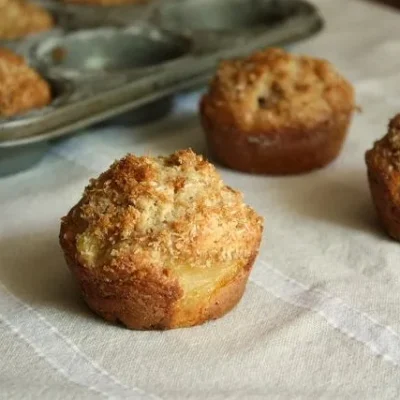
(276, 113)
(21, 87)
(160, 243)
(383, 165)
(20, 18)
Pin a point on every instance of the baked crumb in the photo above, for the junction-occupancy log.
(21, 87)
(273, 89)
(175, 207)
(19, 18)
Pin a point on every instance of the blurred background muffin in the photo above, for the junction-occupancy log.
(21, 87)
(383, 164)
(19, 18)
(277, 113)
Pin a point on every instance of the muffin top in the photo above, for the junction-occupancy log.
(21, 87)
(272, 89)
(20, 18)
(164, 212)
(385, 154)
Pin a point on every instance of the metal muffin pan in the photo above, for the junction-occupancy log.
(109, 50)
(143, 54)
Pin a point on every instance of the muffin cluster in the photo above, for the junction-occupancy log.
(162, 242)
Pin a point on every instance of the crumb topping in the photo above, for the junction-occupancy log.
(21, 87)
(165, 212)
(386, 151)
(272, 89)
(20, 18)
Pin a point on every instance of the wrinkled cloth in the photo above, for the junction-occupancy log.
(320, 318)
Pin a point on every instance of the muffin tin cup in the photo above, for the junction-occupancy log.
(146, 56)
(109, 50)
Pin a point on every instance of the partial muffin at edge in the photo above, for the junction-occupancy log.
(160, 243)
(21, 87)
(276, 113)
(383, 166)
(19, 18)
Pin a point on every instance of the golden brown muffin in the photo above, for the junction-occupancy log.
(21, 87)
(20, 18)
(383, 164)
(276, 113)
(106, 3)
(160, 243)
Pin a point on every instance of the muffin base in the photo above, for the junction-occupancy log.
(149, 305)
(282, 152)
(387, 209)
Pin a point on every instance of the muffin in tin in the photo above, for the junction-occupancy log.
(19, 18)
(383, 164)
(276, 113)
(160, 243)
(21, 87)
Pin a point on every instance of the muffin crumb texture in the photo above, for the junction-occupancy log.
(383, 164)
(166, 221)
(21, 87)
(387, 150)
(19, 18)
(273, 89)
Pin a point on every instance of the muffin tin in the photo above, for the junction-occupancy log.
(104, 61)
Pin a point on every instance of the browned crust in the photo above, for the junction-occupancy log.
(144, 302)
(387, 208)
(383, 162)
(21, 87)
(279, 152)
(139, 300)
(150, 302)
(277, 113)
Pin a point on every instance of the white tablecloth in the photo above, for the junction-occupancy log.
(321, 314)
